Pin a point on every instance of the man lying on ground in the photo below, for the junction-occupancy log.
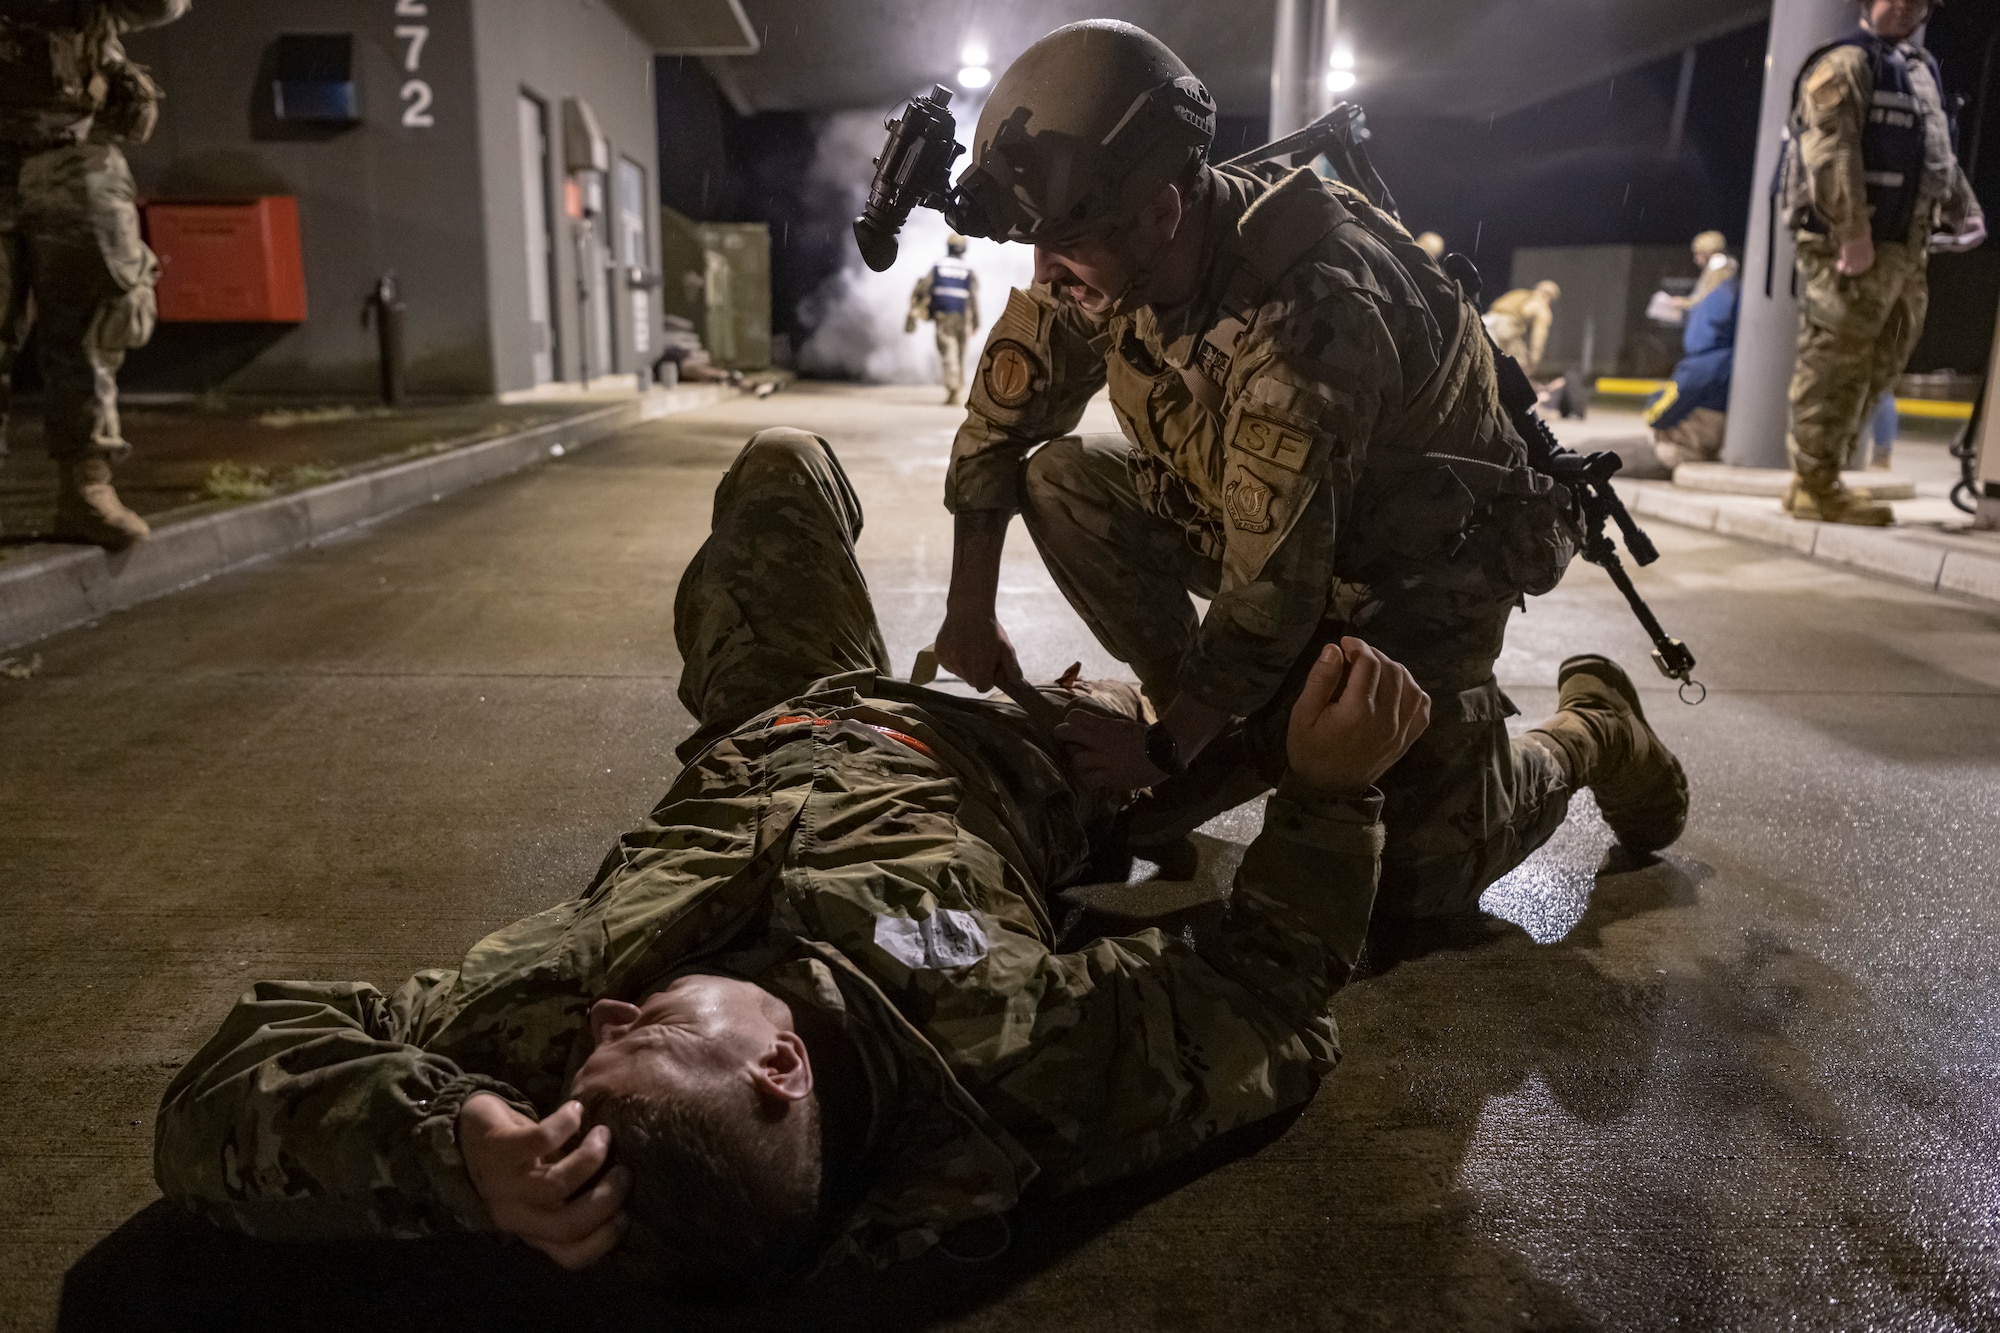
(813, 1007)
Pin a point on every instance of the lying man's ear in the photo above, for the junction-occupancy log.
(784, 1072)
(611, 1019)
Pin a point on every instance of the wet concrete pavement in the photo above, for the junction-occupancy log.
(1756, 1084)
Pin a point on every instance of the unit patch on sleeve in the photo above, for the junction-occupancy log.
(1010, 374)
(1249, 504)
(1273, 442)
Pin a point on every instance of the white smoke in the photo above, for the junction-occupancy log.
(857, 314)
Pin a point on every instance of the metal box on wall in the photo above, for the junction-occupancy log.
(228, 261)
(737, 260)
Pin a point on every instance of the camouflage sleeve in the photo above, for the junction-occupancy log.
(307, 1117)
(1833, 100)
(1313, 378)
(146, 13)
(920, 301)
(1145, 1046)
(1043, 361)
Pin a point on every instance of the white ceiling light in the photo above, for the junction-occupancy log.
(974, 76)
(1343, 54)
(1339, 80)
(974, 53)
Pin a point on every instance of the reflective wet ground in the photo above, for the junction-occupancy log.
(1756, 1084)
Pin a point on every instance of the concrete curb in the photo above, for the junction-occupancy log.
(1925, 558)
(76, 584)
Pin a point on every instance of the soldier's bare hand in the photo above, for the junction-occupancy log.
(1857, 255)
(1109, 749)
(543, 1183)
(976, 650)
(1359, 713)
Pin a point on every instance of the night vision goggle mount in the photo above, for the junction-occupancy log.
(914, 169)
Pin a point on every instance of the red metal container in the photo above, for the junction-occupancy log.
(234, 261)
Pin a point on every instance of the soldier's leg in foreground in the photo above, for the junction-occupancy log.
(1840, 321)
(93, 289)
(1468, 804)
(951, 355)
(774, 599)
(1126, 571)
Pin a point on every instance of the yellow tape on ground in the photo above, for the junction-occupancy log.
(1931, 409)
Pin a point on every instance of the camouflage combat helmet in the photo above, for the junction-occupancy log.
(1079, 132)
(954, 244)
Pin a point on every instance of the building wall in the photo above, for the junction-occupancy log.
(375, 197)
(555, 49)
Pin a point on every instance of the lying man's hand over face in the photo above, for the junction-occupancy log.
(1359, 713)
(563, 1203)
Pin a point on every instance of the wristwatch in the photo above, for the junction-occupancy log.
(1163, 751)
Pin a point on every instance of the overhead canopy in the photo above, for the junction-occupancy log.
(1446, 57)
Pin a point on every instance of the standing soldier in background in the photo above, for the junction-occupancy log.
(1520, 320)
(1869, 178)
(948, 296)
(71, 259)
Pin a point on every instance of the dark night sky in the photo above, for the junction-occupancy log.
(1589, 167)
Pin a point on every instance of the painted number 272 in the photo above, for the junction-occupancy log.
(416, 93)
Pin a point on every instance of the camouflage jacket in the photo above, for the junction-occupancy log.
(1285, 417)
(873, 849)
(62, 68)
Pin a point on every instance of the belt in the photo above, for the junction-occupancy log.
(787, 719)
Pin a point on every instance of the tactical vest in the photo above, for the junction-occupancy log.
(1449, 498)
(1892, 141)
(951, 288)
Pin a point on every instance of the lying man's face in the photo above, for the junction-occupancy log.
(692, 1036)
(707, 1089)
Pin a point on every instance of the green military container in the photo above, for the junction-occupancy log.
(718, 275)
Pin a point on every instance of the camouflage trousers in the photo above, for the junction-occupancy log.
(952, 335)
(1855, 336)
(1462, 808)
(775, 598)
(72, 263)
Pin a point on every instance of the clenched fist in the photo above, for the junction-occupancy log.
(1359, 713)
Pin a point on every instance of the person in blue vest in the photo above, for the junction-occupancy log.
(1870, 186)
(1689, 414)
(948, 296)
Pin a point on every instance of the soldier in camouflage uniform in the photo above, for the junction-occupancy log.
(1870, 177)
(69, 235)
(1312, 440)
(877, 857)
(948, 296)
(870, 851)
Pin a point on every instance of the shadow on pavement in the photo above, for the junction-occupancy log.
(165, 1269)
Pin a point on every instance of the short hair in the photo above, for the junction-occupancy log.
(1713, 242)
(725, 1195)
(1550, 288)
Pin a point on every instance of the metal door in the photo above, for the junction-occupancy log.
(538, 228)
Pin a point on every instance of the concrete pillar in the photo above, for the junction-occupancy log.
(1986, 486)
(1767, 327)
(1301, 51)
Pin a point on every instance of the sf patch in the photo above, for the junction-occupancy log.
(1273, 441)
(1010, 374)
(1248, 502)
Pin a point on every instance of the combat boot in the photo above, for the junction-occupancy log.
(1838, 505)
(1606, 744)
(88, 510)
